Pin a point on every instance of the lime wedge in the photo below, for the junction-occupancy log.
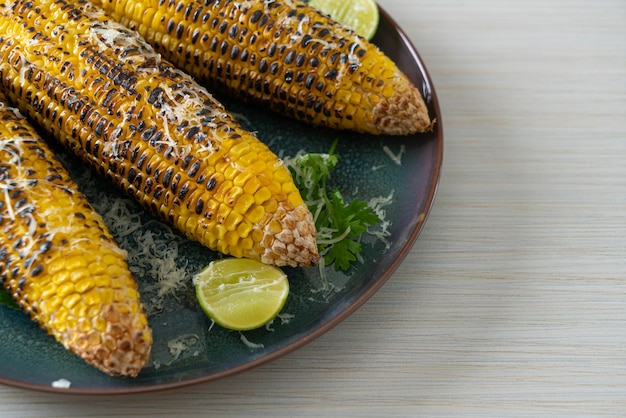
(241, 294)
(360, 15)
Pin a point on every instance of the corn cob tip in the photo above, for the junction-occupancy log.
(404, 113)
(295, 245)
(125, 347)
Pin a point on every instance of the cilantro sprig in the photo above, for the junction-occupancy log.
(339, 224)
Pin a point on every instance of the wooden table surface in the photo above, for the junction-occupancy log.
(513, 300)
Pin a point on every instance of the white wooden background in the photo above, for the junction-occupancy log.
(513, 300)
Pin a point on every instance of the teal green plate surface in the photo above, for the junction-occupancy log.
(187, 348)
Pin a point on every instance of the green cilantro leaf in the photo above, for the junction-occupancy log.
(339, 224)
(352, 219)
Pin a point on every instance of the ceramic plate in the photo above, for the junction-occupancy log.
(187, 349)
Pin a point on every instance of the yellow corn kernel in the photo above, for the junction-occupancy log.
(58, 277)
(249, 158)
(45, 290)
(232, 221)
(242, 178)
(189, 223)
(257, 236)
(262, 195)
(243, 204)
(244, 230)
(238, 250)
(100, 324)
(83, 326)
(388, 91)
(231, 172)
(252, 185)
(281, 177)
(295, 199)
(71, 300)
(65, 289)
(79, 273)
(232, 238)
(222, 212)
(56, 266)
(59, 319)
(275, 188)
(85, 285)
(102, 280)
(233, 194)
(49, 304)
(275, 227)
(71, 323)
(239, 149)
(247, 243)
(95, 268)
(270, 205)
(258, 165)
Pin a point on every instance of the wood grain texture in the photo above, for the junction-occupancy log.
(513, 300)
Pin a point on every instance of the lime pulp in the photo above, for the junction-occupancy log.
(241, 294)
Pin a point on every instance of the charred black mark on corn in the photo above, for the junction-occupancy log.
(211, 183)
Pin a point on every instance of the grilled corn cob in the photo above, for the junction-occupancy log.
(153, 131)
(59, 261)
(283, 53)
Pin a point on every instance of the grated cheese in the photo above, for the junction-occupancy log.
(109, 34)
(396, 158)
(285, 318)
(249, 344)
(381, 230)
(62, 384)
(177, 346)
